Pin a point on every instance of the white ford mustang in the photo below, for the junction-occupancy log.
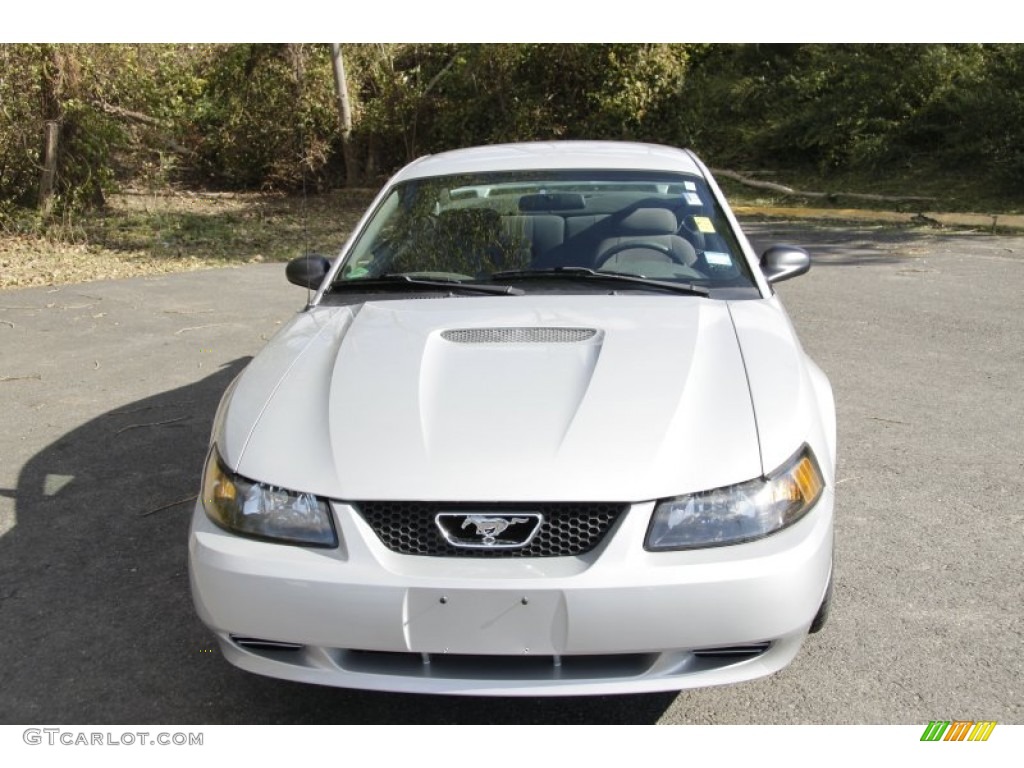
(543, 428)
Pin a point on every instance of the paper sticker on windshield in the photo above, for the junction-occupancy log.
(692, 198)
(690, 186)
(704, 224)
(718, 259)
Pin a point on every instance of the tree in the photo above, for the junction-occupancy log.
(344, 115)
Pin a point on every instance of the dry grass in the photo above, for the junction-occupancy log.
(146, 234)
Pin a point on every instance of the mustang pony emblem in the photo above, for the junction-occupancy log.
(491, 527)
(484, 530)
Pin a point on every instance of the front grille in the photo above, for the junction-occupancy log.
(518, 335)
(519, 667)
(408, 527)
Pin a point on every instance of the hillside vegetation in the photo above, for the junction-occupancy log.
(119, 160)
(257, 117)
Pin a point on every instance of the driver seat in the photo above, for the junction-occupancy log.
(652, 234)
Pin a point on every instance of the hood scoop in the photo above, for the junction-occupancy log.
(540, 399)
(518, 335)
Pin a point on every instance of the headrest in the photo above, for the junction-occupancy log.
(552, 201)
(648, 221)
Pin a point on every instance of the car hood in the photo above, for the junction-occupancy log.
(529, 398)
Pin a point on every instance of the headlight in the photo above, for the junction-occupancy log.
(263, 511)
(739, 512)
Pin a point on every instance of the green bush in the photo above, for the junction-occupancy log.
(259, 116)
(264, 116)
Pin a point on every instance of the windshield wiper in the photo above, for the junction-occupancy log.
(400, 282)
(587, 273)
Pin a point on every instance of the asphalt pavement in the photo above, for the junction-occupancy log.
(107, 391)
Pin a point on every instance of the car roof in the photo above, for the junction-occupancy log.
(553, 155)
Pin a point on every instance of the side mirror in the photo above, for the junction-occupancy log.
(308, 271)
(781, 262)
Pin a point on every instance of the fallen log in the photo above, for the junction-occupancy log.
(143, 119)
(782, 189)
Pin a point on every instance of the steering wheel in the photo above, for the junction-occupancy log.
(639, 245)
(689, 231)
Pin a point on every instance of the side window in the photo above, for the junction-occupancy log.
(361, 261)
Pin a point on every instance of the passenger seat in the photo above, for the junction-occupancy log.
(654, 226)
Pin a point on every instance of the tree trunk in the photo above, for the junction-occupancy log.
(370, 168)
(51, 85)
(48, 180)
(344, 117)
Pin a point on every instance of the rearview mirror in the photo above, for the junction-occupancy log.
(781, 262)
(308, 271)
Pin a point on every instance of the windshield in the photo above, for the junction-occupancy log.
(517, 227)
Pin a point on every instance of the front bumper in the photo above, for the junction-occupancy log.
(616, 620)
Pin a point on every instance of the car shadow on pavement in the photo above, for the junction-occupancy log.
(96, 618)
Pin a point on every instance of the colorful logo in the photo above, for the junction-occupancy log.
(958, 730)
